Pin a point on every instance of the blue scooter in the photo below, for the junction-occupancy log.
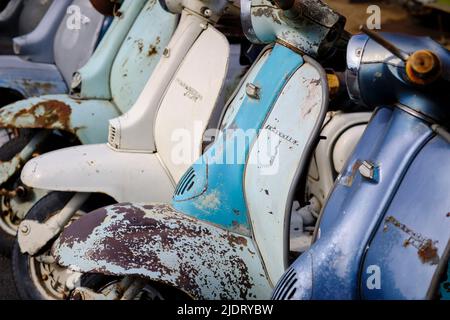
(384, 232)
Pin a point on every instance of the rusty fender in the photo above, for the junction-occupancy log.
(160, 244)
(87, 119)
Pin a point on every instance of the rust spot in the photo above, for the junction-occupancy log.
(235, 240)
(151, 51)
(426, 249)
(140, 45)
(153, 48)
(428, 253)
(90, 221)
(267, 12)
(177, 248)
(50, 114)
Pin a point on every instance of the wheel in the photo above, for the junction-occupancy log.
(152, 291)
(14, 208)
(11, 143)
(38, 277)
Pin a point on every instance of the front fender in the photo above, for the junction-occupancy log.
(87, 119)
(159, 243)
(97, 168)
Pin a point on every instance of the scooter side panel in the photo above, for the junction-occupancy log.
(357, 204)
(161, 244)
(276, 158)
(97, 168)
(87, 119)
(223, 200)
(29, 78)
(95, 75)
(140, 53)
(77, 37)
(415, 231)
(189, 102)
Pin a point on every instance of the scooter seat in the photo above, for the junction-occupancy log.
(30, 78)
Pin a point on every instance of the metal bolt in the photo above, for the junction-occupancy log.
(358, 52)
(166, 52)
(252, 90)
(207, 12)
(24, 229)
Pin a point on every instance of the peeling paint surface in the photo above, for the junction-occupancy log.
(87, 119)
(308, 32)
(159, 243)
(220, 172)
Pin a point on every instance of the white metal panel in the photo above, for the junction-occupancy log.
(189, 102)
(267, 186)
(133, 131)
(134, 177)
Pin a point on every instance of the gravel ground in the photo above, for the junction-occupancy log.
(7, 289)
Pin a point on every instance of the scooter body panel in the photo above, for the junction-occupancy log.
(77, 38)
(86, 119)
(97, 168)
(127, 130)
(275, 159)
(20, 17)
(391, 141)
(189, 102)
(159, 243)
(217, 194)
(94, 77)
(30, 78)
(140, 53)
(37, 46)
(415, 231)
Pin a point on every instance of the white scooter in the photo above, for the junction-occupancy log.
(137, 164)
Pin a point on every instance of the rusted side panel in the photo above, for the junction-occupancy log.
(87, 119)
(161, 244)
(46, 114)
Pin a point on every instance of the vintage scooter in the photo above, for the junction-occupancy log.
(384, 232)
(107, 86)
(47, 57)
(19, 17)
(182, 94)
(227, 234)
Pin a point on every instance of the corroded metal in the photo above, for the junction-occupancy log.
(47, 114)
(159, 243)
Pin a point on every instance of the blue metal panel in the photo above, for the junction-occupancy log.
(416, 228)
(357, 205)
(223, 200)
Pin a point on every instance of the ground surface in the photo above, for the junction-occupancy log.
(7, 289)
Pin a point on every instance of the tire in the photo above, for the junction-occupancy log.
(7, 151)
(151, 292)
(36, 280)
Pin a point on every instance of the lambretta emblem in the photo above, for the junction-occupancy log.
(282, 135)
(190, 92)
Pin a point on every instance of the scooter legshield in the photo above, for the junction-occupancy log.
(162, 244)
